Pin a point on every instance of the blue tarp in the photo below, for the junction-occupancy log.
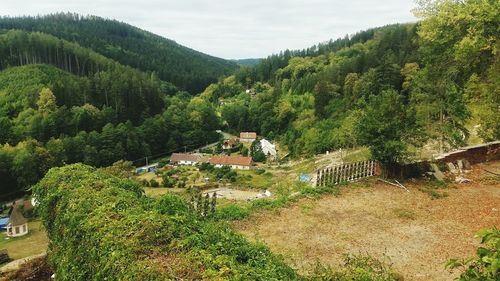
(3, 223)
(304, 178)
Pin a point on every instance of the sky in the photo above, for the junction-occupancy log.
(234, 29)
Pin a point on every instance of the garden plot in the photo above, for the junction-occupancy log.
(415, 233)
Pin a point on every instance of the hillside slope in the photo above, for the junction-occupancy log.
(186, 68)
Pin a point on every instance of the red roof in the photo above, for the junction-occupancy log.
(248, 135)
(231, 160)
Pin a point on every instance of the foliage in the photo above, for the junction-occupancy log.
(167, 180)
(205, 166)
(225, 172)
(486, 266)
(128, 45)
(102, 227)
(256, 152)
(232, 212)
(356, 268)
(154, 183)
(386, 127)
(244, 151)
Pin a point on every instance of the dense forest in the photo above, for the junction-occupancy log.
(62, 103)
(393, 89)
(185, 68)
(78, 93)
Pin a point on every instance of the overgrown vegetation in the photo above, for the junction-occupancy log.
(102, 226)
(392, 89)
(486, 265)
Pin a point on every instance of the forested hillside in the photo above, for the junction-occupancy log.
(185, 68)
(393, 89)
(62, 103)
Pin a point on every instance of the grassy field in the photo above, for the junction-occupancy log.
(34, 243)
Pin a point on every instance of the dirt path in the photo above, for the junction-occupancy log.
(13, 265)
(418, 234)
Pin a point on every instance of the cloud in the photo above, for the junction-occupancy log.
(234, 29)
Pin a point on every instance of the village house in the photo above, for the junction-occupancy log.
(186, 158)
(230, 143)
(268, 148)
(18, 224)
(248, 136)
(235, 162)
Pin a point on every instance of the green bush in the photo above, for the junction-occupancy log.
(153, 183)
(232, 212)
(171, 204)
(163, 162)
(260, 171)
(486, 266)
(103, 228)
(206, 167)
(244, 151)
(168, 181)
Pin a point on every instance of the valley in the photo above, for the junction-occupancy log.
(125, 155)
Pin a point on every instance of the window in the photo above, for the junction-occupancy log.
(24, 228)
(17, 229)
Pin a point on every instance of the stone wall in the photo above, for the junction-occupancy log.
(474, 154)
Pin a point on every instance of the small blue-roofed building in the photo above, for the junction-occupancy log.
(3, 223)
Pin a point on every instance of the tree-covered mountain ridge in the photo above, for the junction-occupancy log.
(394, 89)
(184, 67)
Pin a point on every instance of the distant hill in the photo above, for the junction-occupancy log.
(185, 68)
(248, 61)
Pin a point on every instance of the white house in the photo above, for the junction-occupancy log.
(18, 224)
(186, 159)
(268, 148)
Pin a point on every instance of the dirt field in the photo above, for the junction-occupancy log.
(416, 234)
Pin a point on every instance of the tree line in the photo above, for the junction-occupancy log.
(187, 69)
(406, 86)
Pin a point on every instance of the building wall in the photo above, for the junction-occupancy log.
(182, 162)
(18, 230)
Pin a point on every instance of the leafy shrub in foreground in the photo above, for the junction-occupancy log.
(103, 227)
(486, 266)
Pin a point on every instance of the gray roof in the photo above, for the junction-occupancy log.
(16, 217)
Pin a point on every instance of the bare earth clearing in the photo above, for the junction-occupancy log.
(418, 234)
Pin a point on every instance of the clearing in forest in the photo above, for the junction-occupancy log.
(415, 233)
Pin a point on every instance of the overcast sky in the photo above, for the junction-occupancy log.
(234, 29)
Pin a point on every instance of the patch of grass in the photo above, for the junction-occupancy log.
(356, 267)
(357, 155)
(404, 214)
(155, 192)
(438, 195)
(279, 202)
(232, 212)
(256, 179)
(433, 189)
(34, 243)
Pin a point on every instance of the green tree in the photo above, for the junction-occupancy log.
(256, 152)
(47, 101)
(387, 127)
